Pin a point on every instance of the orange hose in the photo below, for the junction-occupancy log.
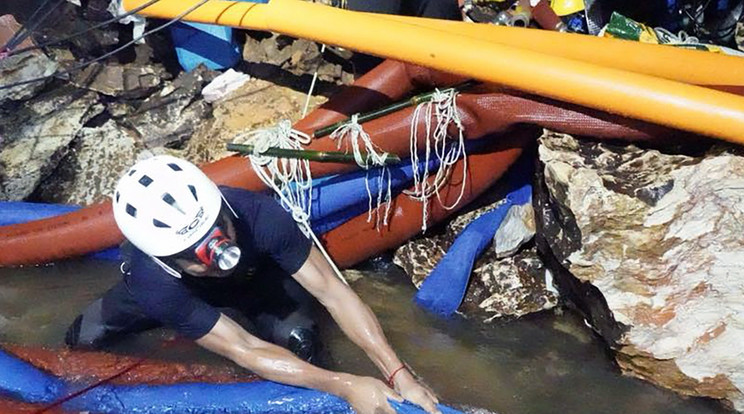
(677, 105)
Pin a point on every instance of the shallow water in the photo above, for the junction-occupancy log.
(543, 364)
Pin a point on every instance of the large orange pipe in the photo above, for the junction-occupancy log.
(359, 239)
(668, 62)
(677, 105)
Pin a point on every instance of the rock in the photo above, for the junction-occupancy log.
(512, 286)
(256, 104)
(170, 117)
(90, 171)
(125, 81)
(517, 229)
(37, 137)
(268, 56)
(653, 243)
(21, 67)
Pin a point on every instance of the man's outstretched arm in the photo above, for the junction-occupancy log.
(227, 338)
(361, 326)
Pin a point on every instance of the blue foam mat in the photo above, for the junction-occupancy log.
(444, 289)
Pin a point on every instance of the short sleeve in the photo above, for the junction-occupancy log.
(166, 299)
(278, 236)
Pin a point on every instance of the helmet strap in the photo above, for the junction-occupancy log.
(167, 268)
(228, 205)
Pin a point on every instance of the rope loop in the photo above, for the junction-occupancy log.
(442, 109)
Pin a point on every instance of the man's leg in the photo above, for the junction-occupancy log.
(111, 316)
(286, 316)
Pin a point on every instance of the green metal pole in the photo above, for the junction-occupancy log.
(321, 132)
(310, 155)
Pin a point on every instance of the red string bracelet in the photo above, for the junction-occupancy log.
(392, 376)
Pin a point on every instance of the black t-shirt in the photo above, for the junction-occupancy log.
(265, 233)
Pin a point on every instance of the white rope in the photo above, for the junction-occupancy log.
(443, 108)
(312, 83)
(353, 132)
(290, 179)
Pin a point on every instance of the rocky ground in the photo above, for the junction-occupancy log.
(645, 243)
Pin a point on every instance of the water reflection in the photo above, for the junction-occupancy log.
(542, 364)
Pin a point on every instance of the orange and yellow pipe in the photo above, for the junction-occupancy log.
(653, 99)
(675, 63)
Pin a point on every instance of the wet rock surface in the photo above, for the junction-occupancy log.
(648, 245)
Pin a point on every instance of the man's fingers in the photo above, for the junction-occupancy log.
(430, 407)
(432, 396)
(388, 409)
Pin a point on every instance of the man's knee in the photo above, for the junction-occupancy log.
(87, 330)
(304, 343)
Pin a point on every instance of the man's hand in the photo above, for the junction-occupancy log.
(368, 395)
(416, 392)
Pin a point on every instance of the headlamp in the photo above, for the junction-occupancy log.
(217, 248)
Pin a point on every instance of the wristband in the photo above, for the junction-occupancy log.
(390, 381)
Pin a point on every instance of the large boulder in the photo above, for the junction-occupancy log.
(649, 245)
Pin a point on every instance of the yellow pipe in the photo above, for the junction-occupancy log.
(675, 63)
(677, 105)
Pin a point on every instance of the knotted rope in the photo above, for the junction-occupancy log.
(442, 108)
(353, 132)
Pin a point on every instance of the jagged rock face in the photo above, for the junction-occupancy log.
(98, 157)
(655, 244)
(269, 56)
(37, 137)
(170, 117)
(499, 286)
(18, 68)
(122, 81)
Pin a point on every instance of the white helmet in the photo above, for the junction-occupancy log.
(164, 205)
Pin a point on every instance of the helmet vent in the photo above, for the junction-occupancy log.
(193, 191)
(131, 172)
(145, 181)
(131, 210)
(158, 223)
(174, 167)
(172, 202)
(117, 196)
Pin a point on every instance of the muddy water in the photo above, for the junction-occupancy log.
(546, 364)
